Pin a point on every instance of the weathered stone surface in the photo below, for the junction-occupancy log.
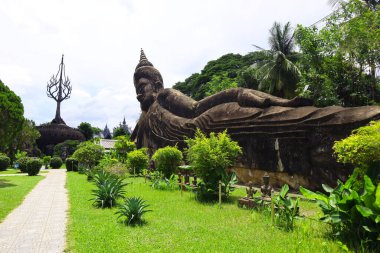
(284, 137)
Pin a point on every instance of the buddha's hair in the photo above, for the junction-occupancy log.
(145, 69)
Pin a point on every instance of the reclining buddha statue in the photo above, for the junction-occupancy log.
(289, 139)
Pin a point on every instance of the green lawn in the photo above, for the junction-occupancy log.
(181, 224)
(13, 191)
(17, 171)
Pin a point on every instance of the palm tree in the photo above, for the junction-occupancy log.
(279, 74)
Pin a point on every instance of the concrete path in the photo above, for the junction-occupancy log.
(39, 223)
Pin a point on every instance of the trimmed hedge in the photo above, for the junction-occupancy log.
(71, 164)
(4, 162)
(56, 162)
(33, 166)
(22, 164)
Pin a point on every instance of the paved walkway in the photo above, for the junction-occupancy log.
(39, 223)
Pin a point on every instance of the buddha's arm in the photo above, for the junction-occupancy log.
(177, 103)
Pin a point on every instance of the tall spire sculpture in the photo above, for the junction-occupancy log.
(59, 89)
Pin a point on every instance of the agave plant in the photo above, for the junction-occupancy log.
(133, 210)
(109, 189)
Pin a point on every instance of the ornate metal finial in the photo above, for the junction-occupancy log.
(143, 60)
(59, 89)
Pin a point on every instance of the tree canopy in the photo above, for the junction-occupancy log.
(11, 116)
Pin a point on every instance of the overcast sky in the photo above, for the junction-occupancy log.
(101, 41)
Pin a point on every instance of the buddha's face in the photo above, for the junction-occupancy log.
(146, 93)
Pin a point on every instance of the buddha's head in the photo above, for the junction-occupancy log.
(148, 82)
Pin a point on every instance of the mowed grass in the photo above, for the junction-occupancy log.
(181, 224)
(17, 171)
(13, 190)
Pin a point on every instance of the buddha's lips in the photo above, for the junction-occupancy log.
(140, 97)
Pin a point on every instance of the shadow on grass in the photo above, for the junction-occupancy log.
(5, 183)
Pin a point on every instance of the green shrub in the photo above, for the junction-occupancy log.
(66, 148)
(161, 183)
(210, 157)
(22, 164)
(122, 147)
(362, 147)
(117, 169)
(286, 209)
(167, 160)
(71, 164)
(4, 162)
(88, 154)
(56, 162)
(132, 211)
(353, 215)
(137, 161)
(109, 189)
(46, 161)
(33, 166)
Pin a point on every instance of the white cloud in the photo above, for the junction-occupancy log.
(101, 41)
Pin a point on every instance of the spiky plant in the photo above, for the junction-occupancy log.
(132, 211)
(108, 190)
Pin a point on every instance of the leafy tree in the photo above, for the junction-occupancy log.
(211, 157)
(123, 146)
(339, 61)
(226, 69)
(87, 130)
(278, 73)
(167, 160)
(66, 148)
(11, 117)
(26, 140)
(88, 154)
(96, 130)
(119, 131)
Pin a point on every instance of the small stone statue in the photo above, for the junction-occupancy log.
(250, 191)
(266, 189)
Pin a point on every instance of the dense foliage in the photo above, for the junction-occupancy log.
(167, 160)
(132, 211)
(4, 162)
(26, 139)
(66, 148)
(46, 160)
(137, 161)
(56, 162)
(71, 164)
(123, 146)
(119, 131)
(11, 117)
(87, 130)
(210, 157)
(362, 147)
(230, 70)
(339, 61)
(353, 215)
(33, 166)
(22, 163)
(88, 154)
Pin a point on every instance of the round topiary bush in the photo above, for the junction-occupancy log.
(167, 160)
(71, 164)
(33, 166)
(22, 164)
(4, 162)
(56, 162)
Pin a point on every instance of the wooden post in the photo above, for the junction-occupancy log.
(220, 194)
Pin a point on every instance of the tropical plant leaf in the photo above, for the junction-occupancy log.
(327, 188)
(364, 211)
(312, 195)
